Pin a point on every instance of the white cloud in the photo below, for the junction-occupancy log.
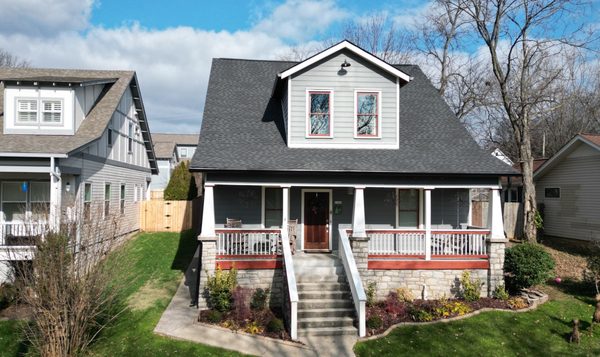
(43, 17)
(299, 20)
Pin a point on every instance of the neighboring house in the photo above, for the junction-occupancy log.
(366, 164)
(170, 150)
(568, 188)
(70, 140)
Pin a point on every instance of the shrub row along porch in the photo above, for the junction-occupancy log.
(415, 236)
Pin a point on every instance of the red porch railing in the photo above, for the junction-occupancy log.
(248, 248)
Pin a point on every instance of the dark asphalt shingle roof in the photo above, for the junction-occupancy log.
(242, 129)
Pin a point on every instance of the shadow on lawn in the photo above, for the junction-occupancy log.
(580, 290)
(186, 261)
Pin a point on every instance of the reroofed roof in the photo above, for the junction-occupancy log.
(96, 121)
(243, 129)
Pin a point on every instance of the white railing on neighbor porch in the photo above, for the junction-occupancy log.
(292, 289)
(238, 241)
(459, 242)
(20, 230)
(356, 287)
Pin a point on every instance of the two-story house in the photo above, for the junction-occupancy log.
(170, 150)
(74, 146)
(361, 166)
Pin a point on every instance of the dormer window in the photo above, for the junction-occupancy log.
(27, 110)
(319, 121)
(367, 115)
(52, 111)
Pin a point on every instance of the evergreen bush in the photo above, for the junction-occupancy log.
(182, 186)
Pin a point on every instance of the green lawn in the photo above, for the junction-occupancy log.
(543, 332)
(154, 266)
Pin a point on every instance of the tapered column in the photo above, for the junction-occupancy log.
(208, 213)
(427, 224)
(208, 246)
(358, 214)
(496, 243)
(495, 221)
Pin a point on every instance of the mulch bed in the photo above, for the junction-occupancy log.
(233, 322)
(392, 314)
(16, 312)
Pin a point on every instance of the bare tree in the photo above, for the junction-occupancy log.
(9, 60)
(525, 68)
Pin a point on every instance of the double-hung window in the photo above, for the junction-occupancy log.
(122, 198)
(319, 113)
(27, 111)
(40, 199)
(130, 138)
(408, 208)
(106, 200)
(14, 200)
(52, 111)
(273, 207)
(87, 201)
(367, 114)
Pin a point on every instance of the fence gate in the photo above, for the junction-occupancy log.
(165, 216)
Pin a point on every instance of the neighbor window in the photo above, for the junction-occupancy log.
(367, 114)
(130, 138)
(14, 200)
(319, 113)
(183, 153)
(552, 192)
(40, 199)
(109, 135)
(106, 200)
(122, 199)
(408, 208)
(87, 201)
(52, 111)
(27, 110)
(273, 207)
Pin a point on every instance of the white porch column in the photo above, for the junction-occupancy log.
(208, 213)
(495, 220)
(358, 214)
(427, 224)
(55, 196)
(285, 213)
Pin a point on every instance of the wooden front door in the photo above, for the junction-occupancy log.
(316, 220)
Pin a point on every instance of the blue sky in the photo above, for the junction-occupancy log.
(171, 43)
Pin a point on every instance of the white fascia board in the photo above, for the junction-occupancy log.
(561, 153)
(353, 48)
(42, 155)
(23, 169)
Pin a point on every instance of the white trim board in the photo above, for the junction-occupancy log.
(565, 150)
(296, 184)
(329, 225)
(352, 48)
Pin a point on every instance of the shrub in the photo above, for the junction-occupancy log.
(371, 290)
(8, 295)
(241, 308)
(275, 325)
(526, 265)
(259, 299)
(471, 288)
(253, 328)
(214, 316)
(404, 295)
(451, 308)
(517, 303)
(393, 305)
(421, 315)
(374, 322)
(182, 185)
(593, 266)
(220, 288)
(500, 293)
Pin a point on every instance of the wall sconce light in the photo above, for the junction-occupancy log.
(346, 64)
(343, 67)
(68, 187)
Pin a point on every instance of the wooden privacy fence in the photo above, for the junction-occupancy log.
(512, 215)
(165, 216)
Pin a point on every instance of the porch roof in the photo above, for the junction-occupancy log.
(243, 129)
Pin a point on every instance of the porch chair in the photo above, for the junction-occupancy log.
(242, 246)
(233, 223)
(292, 225)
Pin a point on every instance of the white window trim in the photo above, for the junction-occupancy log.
(3, 201)
(104, 216)
(331, 113)
(379, 119)
(85, 183)
(41, 112)
(130, 133)
(123, 185)
(553, 198)
(16, 113)
(419, 209)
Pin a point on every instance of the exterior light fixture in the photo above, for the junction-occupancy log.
(346, 64)
(68, 186)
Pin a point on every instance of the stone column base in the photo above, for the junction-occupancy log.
(208, 258)
(495, 248)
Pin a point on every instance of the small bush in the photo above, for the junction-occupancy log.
(393, 305)
(421, 315)
(8, 295)
(259, 299)
(371, 291)
(404, 295)
(593, 267)
(517, 303)
(374, 322)
(220, 288)
(526, 265)
(275, 325)
(500, 293)
(471, 288)
(451, 308)
(253, 328)
(214, 316)
(241, 308)
(181, 186)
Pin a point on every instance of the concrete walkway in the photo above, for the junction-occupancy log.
(179, 322)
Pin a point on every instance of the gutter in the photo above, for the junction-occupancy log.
(42, 155)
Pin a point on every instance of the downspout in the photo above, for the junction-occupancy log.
(55, 178)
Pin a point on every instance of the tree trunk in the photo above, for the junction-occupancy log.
(529, 200)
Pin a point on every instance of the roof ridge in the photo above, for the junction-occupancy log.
(254, 60)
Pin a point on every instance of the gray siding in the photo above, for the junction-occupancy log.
(160, 181)
(361, 75)
(239, 202)
(380, 207)
(85, 98)
(576, 213)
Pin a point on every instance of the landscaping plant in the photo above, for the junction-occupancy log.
(181, 186)
(371, 291)
(8, 295)
(374, 322)
(500, 293)
(393, 305)
(220, 289)
(241, 308)
(275, 325)
(526, 265)
(260, 298)
(404, 295)
(471, 288)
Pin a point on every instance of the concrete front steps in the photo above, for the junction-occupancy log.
(325, 306)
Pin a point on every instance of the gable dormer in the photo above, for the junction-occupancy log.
(343, 97)
(48, 106)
